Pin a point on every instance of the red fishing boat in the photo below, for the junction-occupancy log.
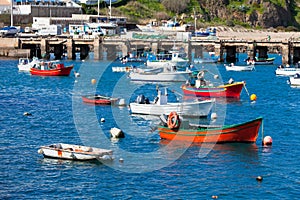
(51, 68)
(246, 132)
(232, 90)
(99, 99)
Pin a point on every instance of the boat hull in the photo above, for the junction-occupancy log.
(244, 133)
(294, 81)
(226, 91)
(74, 152)
(163, 63)
(239, 68)
(95, 99)
(52, 72)
(287, 71)
(160, 77)
(195, 109)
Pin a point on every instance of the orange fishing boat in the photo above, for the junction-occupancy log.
(173, 129)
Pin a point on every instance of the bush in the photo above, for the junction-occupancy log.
(230, 23)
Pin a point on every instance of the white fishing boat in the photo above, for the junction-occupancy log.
(174, 58)
(172, 26)
(166, 74)
(295, 80)
(25, 63)
(286, 71)
(75, 152)
(122, 69)
(260, 61)
(232, 67)
(160, 105)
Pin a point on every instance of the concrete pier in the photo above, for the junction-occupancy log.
(226, 49)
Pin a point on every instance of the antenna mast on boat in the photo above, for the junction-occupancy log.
(109, 9)
(98, 8)
(11, 13)
(195, 18)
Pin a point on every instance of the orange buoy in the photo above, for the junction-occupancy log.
(267, 140)
(93, 81)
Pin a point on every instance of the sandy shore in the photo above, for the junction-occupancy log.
(256, 35)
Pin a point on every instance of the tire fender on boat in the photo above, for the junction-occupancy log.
(173, 121)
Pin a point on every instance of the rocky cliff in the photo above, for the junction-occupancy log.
(253, 12)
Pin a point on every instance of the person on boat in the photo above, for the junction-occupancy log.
(230, 81)
(200, 77)
(174, 68)
(42, 66)
(280, 67)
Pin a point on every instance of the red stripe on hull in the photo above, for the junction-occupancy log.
(96, 101)
(246, 132)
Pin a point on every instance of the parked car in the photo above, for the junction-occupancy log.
(8, 31)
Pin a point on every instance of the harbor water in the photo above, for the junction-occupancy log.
(151, 168)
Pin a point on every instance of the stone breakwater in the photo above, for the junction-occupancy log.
(10, 47)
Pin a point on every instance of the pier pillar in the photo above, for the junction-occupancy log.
(44, 46)
(188, 49)
(71, 49)
(219, 50)
(154, 47)
(285, 53)
(251, 50)
(97, 48)
(124, 50)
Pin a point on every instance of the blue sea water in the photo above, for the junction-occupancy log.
(152, 169)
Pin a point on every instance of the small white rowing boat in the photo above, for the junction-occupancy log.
(295, 80)
(232, 67)
(75, 152)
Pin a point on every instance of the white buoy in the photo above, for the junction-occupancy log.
(122, 102)
(102, 119)
(267, 141)
(116, 133)
(213, 116)
(27, 114)
(76, 74)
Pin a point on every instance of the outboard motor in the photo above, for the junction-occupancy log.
(147, 101)
(163, 118)
(231, 81)
(140, 99)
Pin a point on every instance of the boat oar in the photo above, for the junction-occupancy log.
(177, 93)
(246, 89)
(253, 96)
(262, 132)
